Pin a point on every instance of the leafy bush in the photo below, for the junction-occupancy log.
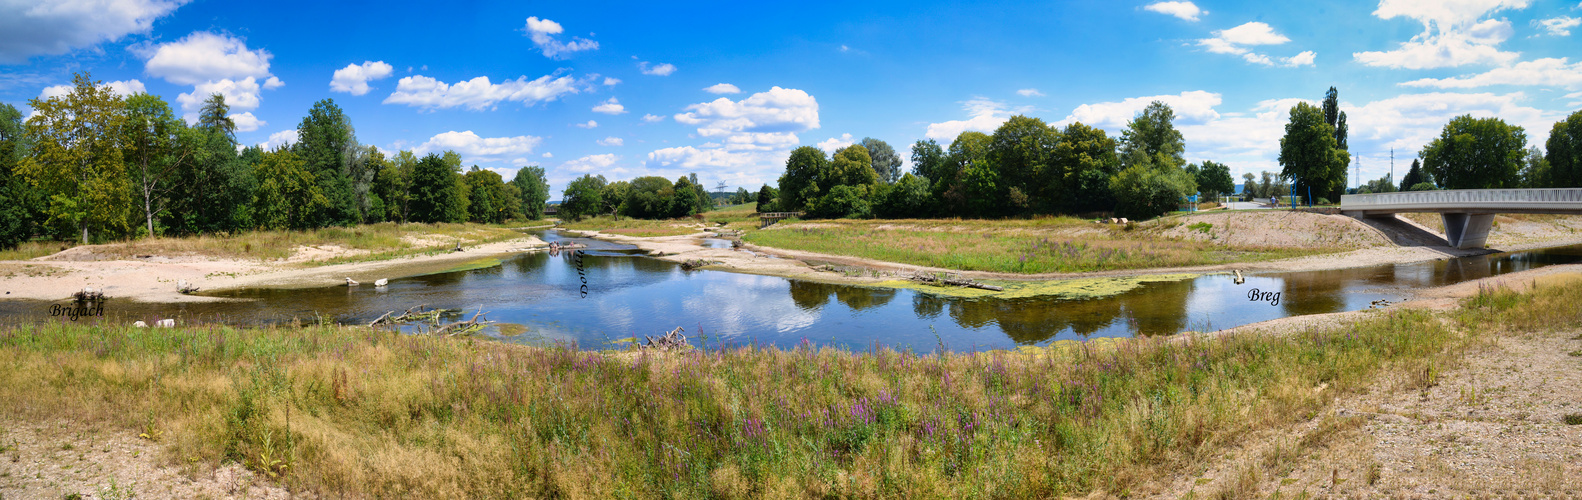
(1144, 192)
(907, 198)
(1423, 186)
(842, 202)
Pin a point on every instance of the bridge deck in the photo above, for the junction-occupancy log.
(1468, 213)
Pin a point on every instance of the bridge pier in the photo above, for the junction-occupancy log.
(1467, 231)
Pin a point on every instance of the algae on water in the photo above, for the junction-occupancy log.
(1078, 288)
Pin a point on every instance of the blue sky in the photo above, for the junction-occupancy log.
(727, 89)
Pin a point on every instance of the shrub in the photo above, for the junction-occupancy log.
(842, 202)
(1143, 192)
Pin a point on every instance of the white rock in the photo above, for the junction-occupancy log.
(381, 282)
(139, 324)
(165, 323)
(351, 282)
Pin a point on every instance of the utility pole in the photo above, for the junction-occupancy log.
(1392, 168)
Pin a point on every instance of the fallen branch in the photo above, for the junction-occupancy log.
(949, 280)
(673, 339)
(381, 318)
(463, 327)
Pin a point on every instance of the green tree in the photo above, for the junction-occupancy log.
(436, 191)
(582, 197)
(216, 186)
(1414, 176)
(741, 196)
(1213, 179)
(1143, 191)
(1308, 153)
(843, 201)
(287, 196)
(76, 159)
(1022, 152)
(392, 187)
(1086, 156)
(806, 170)
(928, 160)
(613, 195)
(1536, 172)
(1476, 153)
(886, 164)
(1151, 138)
(1565, 152)
(907, 199)
(689, 198)
(951, 191)
(325, 141)
(19, 202)
(155, 142)
(486, 195)
(648, 198)
(1249, 187)
(534, 190)
(851, 167)
(766, 198)
(1337, 123)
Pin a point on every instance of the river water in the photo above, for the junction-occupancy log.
(538, 298)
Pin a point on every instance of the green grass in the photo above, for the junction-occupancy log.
(356, 412)
(1051, 245)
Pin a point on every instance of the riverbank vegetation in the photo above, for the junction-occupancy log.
(1042, 245)
(358, 412)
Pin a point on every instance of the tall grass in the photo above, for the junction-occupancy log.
(31, 249)
(380, 241)
(350, 411)
(1007, 246)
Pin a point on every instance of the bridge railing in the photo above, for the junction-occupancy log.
(1467, 199)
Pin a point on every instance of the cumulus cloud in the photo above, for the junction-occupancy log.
(543, 31)
(1558, 26)
(611, 82)
(612, 141)
(1235, 41)
(548, 155)
(986, 115)
(121, 88)
(590, 124)
(246, 122)
(722, 88)
(592, 163)
(1190, 107)
(1554, 72)
(239, 95)
(653, 118)
(656, 69)
(1184, 10)
(479, 93)
(834, 144)
(610, 107)
(30, 28)
(354, 78)
(1452, 35)
(279, 139)
(1030, 93)
(475, 149)
(765, 120)
(205, 57)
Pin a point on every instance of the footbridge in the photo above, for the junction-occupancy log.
(1468, 213)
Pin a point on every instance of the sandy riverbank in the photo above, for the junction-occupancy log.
(154, 279)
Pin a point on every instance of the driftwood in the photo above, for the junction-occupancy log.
(691, 264)
(673, 339)
(381, 318)
(951, 280)
(463, 327)
(88, 295)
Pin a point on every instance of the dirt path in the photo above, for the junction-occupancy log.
(64, 458)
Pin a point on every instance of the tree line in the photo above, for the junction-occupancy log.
(91, 165)
(649, 197)
(1025, 167)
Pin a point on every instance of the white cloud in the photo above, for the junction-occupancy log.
(239, 96)
(475, 149)
(590, 124)
(612, 141)
(246, 122)
(1548, 72)
(1236, 40)
(478, 93)
(722, 88)
(205, 57)
(1559, 26)
(1190, 107)
(121, 88)
(55, 27)
(354, 78)
(1030, 93)
(548, 155)
(591, 164)
(543, 31)
(610, 107)
(766, 120)
(1253, 33)
(1183, 10)
(611, 81)
(844, 48)
(278, 139)
(1452, 35)
(653, 118)
(834, 144)
(986, 115)
(1303, 59)
(657, 70)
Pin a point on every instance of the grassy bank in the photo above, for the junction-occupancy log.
(367, 242)
(368, 413)
(1049, 245)
(733, 216)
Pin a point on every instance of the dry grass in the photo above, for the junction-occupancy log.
(368, 242)
(350, 411)
(1044, 245)
(33, 249)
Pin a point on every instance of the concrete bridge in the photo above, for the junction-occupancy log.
(1468, 213)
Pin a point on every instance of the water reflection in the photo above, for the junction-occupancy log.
(631, 296)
